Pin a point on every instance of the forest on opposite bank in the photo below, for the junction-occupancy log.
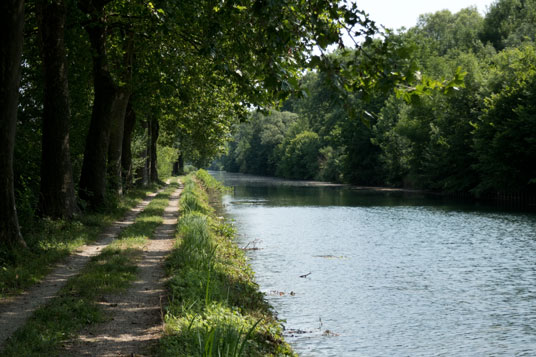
(478, 138)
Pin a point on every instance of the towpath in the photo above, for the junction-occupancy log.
(135, 316)
(14, 311)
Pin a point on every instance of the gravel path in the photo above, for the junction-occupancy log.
(16, 310)
(136, 315)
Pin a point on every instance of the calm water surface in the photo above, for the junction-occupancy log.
(391, 274)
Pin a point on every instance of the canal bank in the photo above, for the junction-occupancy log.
(215, 308)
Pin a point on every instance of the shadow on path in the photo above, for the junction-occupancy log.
(136, 315)
(16, 310)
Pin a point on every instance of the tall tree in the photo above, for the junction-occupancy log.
(118, 116)
(510, 23)
(154, 131)
(57, 196)
(93, 176)
(11, 38)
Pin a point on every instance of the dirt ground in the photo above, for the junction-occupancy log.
(136, 319)
(14, 311)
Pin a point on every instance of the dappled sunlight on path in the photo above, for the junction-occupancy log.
(16, 310)
(135, 316)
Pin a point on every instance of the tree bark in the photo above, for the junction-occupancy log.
(178, 166)
(153, 156)
(180, 162)
(126, 156)
(11, 37)
(115, 148)
(118, 120)
(57, 196)
(93, 176)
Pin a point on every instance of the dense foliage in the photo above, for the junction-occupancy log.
(112, 91)
(477, 137)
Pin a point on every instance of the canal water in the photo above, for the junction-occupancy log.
(365, 273)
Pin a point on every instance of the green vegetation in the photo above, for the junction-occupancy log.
(76, 306)
(49, 241)
(215, 307)
(166, 158)
(102, 95)
(477, 136)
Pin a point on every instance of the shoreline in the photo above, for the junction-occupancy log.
(216, 304)
(510, 200)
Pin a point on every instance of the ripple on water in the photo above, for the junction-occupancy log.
(392, 276)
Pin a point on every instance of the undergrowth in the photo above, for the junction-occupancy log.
(76, 305)
(49, 241)
(215, 308)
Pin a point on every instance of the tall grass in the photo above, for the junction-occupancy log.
(215, 308)
(208, 181)
(193, 198)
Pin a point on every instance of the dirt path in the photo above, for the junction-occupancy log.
(136, 315)
(16, 310)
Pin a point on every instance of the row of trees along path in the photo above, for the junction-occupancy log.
(145, 293)
(187, 70)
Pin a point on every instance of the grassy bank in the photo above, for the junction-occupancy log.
(76, 305)
(215, 308)
(50, 241)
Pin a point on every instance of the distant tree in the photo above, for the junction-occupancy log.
(448, 31)
(300, 156)
(510, 23)
(505, 134)
(257, 140)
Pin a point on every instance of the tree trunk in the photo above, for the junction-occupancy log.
(93, 176)
(118, 120)
(178, 166)
(57, 197)
(11, 37)
(115, 148)
(126, 156)
(152, 139)
(180, 163)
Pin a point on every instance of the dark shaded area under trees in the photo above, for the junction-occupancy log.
(477, 139)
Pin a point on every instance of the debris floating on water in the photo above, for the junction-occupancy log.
(281, 293)
(329, 256)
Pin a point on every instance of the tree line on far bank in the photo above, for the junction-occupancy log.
(479, 138)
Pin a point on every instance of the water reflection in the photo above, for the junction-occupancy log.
(391, 273)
